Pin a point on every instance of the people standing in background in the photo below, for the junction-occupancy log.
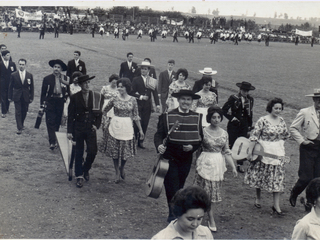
(305, 130)
(175, 35)
(238, 110)
(6, 68)
(165, 79)
(19, 27)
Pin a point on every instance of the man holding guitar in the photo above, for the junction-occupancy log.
(307, 121)
(180, 144)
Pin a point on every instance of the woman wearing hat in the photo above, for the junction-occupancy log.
(206, 72)
(207, 100)
(176, 86)
(119, 138)
(269, 173)
(240, 116)
(210, 165)
(54, 93)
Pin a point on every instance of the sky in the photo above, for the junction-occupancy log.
(304, 9)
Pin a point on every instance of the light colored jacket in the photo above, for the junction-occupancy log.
(305, 125)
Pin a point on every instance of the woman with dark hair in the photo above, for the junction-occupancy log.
(308, 226)
(189, 206)
(269, 173)
(119, 143)
(210, 165)
(207, 99)
(109, 91)
(176, 86)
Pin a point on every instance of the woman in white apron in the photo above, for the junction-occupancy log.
(119, 142)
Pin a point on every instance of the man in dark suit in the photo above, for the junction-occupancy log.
(19, 27)
(165, 79)
(152, 72)
(142, 88)
(128, 68)
(238, 110)
(21, 91)
(76, 65)
(54, 94)
(6, 68)
(198, 85)
(84, 118)
(3, 48)
(181, 144)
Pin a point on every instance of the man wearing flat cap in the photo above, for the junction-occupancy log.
(54, 94)
(84, 118)
(142, 88)
(305, 130)
(6, 68)
(238, 110)
(181, 143)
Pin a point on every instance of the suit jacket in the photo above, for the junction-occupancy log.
(18, 90)
(164, 82)
(5, 73)
(139, 89)
(72, 68)
(80, 116)
(48, 85)
(126, 72)
(307, 122)
(233, 108)
(10, 60)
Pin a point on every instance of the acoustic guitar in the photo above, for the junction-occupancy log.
(154, 183)
(241, 149)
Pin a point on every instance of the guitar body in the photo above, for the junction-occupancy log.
(241, 149)
(155, 182)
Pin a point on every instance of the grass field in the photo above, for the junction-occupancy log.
(37, 201)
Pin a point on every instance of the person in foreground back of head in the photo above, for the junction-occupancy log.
(189, 206)
(309, 226)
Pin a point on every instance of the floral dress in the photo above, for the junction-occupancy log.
(123, 109)
(172, 102)
(268, 174)
(108, 93)
(211, 165)
(202, 104)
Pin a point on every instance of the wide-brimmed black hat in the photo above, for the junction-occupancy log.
(60, 62)
(185, 92)
(83, 79)
(245, 85)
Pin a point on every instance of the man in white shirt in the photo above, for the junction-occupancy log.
(128, 67)
(76, 65)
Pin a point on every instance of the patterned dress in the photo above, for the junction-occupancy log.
(172, 102)
(201, 105)
(210, 165)
(108, 93)
(268, 174)
(112, 147)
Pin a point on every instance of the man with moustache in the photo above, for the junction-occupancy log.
(165, 79)
(142, 88)
(305, 130)
(6, 68)
(84, 118)
(54, 94)
(21, 91)
(181, 144)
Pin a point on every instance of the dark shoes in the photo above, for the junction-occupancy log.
(274, 210)
(79, 182)
(293, 199)
(240, 169)
(86, 176)
(52, 146)
(19, 132)
(140, 145)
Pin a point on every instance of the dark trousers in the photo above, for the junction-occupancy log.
(175, 39)
(41, 34)
(21, 109)
(144, 108)
(163, 103)
(309, 166)
(56, 33)
(176, 177)
(235, 130)
(89, 136)
(19, 33)
(4, 97)
(54, 112)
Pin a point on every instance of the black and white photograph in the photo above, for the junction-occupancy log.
(160, 119)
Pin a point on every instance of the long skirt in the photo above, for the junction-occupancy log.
(212, 188)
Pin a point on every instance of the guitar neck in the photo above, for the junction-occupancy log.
(262, 153)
